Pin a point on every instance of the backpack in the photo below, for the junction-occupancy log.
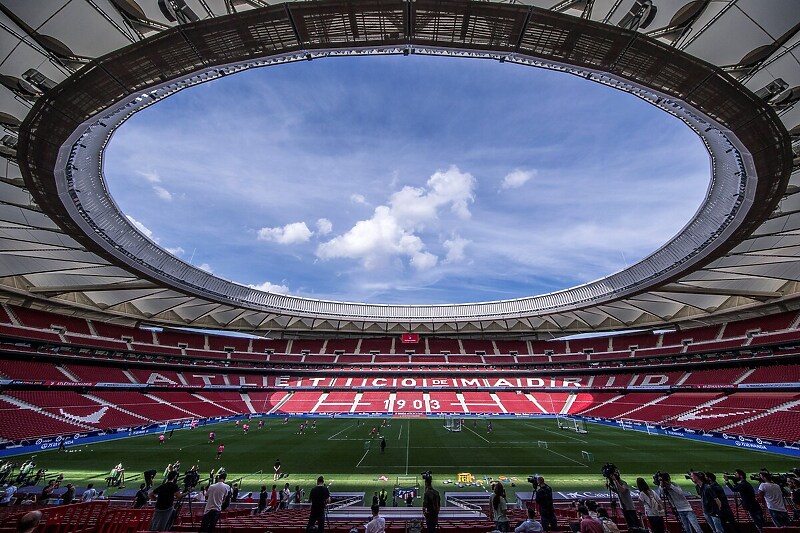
(609, 526)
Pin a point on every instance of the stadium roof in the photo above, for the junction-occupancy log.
(74, 71)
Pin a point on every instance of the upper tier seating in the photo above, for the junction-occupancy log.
(115, 332)
(30, 370)
(220, 342)
(725, 376)
(44, 320)
(437, 345)
(776, 322)
(378, 345)
(774, 374)
(341, 345)
(97, 374)
(485, 346)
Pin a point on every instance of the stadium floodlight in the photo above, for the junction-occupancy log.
(39, 80)
(774, 87)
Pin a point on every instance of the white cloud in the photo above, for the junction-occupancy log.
(455, 249)
(358, 198)
(152, 177)
(162, 193)
(270, 287)
(375, 240)
(416, 205)
(288, 234)
(206, 267)
(517, 179)
(142, 228)
(424, 260)
(391, 231)
(177, 251)
(324, 226)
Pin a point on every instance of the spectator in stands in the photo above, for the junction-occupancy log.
(544, 499)
(711, 504)
(273, 498)
(377, 524)
(747, 493)
(431, 505)
(141, 497)
(29, 522)
(530, 525)
(298, 494)
(69, 495)
(319, 497)
(653, 507)
(499, 506)
(675, 496)
(7, 495)
(589, 524)
(166, 494)
(286, 495)
(794, 489)
(608, 525)
(773, 497)
(262, 499)
(47, 492)
(618, 485)
(725, 512)
(89, 494)
(218, 498)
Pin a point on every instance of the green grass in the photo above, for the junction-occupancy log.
(337, 451)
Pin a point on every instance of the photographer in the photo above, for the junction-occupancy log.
(431, 504)
(773, 497)
(319, 497)
(544, 499)
(217, 499)
(166, 494)
(674, 494)
(711, 504)
(725, 512)
(745, 490)
(794, 489)
(499, 506)
(653, 507)
(623, 491)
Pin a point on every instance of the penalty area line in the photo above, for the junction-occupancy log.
(479, 435)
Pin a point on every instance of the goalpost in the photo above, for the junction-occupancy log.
(452, 423)
(571, 424)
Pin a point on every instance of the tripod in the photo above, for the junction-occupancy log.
(667, 498)
(612, 497)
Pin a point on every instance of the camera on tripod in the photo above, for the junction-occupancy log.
(426, 475)
(608, 470)
(661, 478)
(190, 479)
(534, 479)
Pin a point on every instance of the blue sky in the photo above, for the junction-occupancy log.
(407, 179)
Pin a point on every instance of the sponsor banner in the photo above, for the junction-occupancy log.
(123, 385)
(650, 387)
(767, 385)
(28, 382)
(221, 387)
(68, 384)
(5, 382)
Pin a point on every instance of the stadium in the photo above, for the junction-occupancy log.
(118, 356)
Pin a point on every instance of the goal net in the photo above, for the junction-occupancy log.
(571, 424)
(452, 423)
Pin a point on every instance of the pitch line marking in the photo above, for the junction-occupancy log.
(339, 433)
(401, 433)
(408, 447)
(479, 435)
(362, 459)
(559, 434)
(567, 458)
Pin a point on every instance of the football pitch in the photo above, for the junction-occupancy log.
(342, 450)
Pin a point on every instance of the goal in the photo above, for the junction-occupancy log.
(571, 424)
(452, 423)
